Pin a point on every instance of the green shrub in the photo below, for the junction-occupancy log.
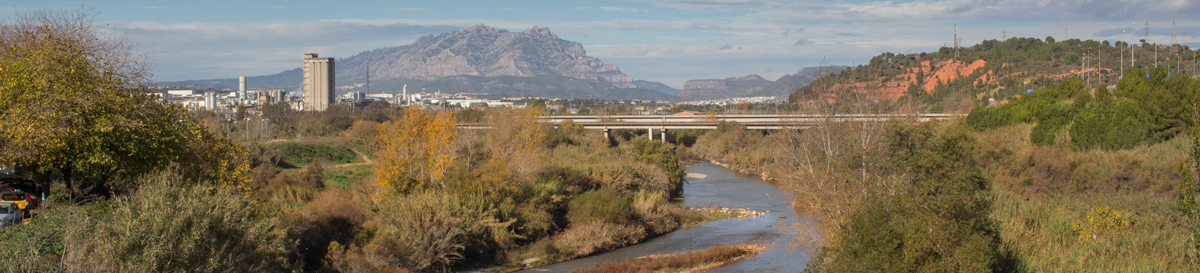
(664, 157)
(938, 222)
(1121, 125)
(602, 204)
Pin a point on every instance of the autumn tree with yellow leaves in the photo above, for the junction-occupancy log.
(75, 104)
(414, 151)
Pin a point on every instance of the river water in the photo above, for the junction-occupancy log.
(722, 187)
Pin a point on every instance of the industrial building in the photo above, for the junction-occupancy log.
(318, 82)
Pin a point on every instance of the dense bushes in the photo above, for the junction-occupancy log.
(425, 231)
(938, 222)
(604, 204)
(1141, 110)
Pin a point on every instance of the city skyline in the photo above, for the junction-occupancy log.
(665, 41)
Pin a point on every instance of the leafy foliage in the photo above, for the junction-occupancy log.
(603, 204)
(938, 222)
(414, 151)
(1141, 110)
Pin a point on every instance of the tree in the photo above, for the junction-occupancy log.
(73, 103)
(414, 151)
(830, 164)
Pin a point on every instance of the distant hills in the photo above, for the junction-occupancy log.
(959, 79)
(288, 80)
(753, 85)
(478, 59)
(657, 86)
(483, 59)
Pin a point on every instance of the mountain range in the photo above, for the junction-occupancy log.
(483, 59)
(753, 85)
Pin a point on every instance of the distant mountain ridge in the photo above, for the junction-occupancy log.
(708, 89)
(483, 51)
(753, 85)
(478, 59)
(657, 86)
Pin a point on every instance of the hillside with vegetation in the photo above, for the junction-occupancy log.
(959, 79)
(1065, 172)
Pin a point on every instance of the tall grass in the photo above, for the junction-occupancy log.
(1039, 234)
(168, 226)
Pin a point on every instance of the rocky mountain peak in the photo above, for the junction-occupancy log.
(544, 32)
(481, 50)
(480, 29)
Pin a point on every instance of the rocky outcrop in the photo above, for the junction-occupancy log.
(723, 88)
(482, 51)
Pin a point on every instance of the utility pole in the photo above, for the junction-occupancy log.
(1122, 58)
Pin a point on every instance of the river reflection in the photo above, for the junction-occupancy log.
(722, 187)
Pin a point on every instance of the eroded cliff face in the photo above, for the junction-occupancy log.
(484, 51)
(722, 88)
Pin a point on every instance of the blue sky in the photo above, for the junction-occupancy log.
(668, 41)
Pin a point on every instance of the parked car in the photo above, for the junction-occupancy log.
(10, 214)
(27, 190)
(20, 199)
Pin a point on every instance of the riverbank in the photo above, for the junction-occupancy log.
(551, 250)
(683, 262)
(724, 188)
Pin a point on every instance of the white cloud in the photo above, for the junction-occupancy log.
(223, 50)
(618, 9)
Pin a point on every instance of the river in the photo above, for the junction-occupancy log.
(722, 187)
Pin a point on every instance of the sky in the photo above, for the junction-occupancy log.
(668, 41)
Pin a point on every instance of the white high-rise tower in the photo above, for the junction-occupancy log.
(319, 86)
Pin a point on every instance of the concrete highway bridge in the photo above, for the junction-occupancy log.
(754, 122)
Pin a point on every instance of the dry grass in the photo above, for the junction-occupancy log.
(1015, 164)
(1042, 191)
(1038, 233)
(685, 262)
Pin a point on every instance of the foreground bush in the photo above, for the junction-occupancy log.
(938, 222)
(167, 227)
(426, 231)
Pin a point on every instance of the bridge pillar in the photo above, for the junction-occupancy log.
(650, 133)
(664, 135)
(606, 138)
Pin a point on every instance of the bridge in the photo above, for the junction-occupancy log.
(703, 122)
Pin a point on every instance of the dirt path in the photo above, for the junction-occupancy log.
(365, 161)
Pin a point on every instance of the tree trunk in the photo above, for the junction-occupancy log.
(67, 178)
